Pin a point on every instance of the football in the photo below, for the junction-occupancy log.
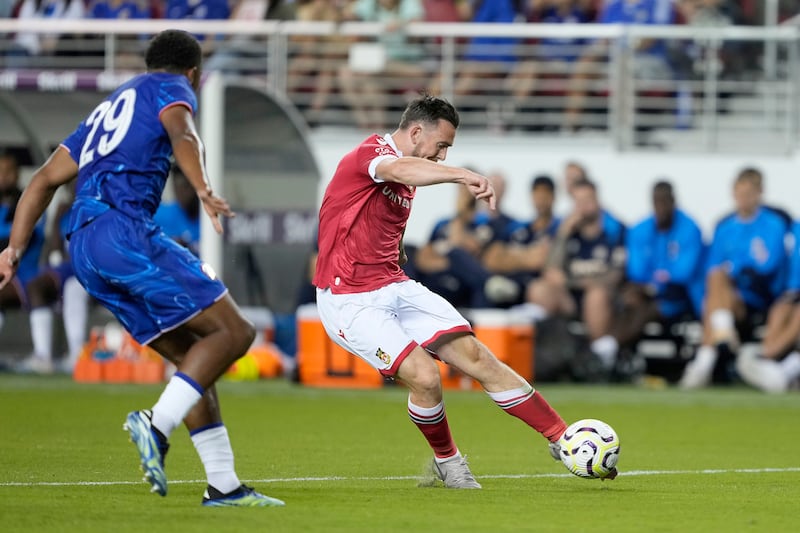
(590, 448)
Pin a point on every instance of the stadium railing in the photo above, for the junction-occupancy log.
(726, 88)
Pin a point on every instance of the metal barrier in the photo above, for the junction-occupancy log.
(720, 89)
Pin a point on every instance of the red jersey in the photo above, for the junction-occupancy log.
(361, 222)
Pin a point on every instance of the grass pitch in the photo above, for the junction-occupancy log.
(717, 460)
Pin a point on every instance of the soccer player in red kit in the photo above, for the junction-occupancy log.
(372, 309)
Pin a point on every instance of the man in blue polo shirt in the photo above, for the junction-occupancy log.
(746, 272)
(665, 268)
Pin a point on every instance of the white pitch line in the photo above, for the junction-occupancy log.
(632, 473)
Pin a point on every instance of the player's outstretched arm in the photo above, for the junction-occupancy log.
(190, 156)
(59, 169)
(419, 172)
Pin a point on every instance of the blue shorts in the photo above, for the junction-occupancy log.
(148, 281)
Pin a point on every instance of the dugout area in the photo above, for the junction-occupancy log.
(259, 158)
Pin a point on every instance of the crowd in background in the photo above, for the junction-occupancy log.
(585, 267)
(326, 65)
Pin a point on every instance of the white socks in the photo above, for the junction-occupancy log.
(722, 321)
(41, 321)
(178, 398)
(706, 357)
(75, 310)
(606, 348)
(791, 365)
(214, 448)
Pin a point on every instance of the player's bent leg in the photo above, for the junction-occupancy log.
(209, 435)
(464, 352)
(224, 336)
(420, 374)
(507, 388)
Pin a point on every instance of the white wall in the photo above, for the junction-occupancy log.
(703, 182)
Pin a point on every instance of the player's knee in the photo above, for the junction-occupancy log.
(242, 334)
(420, 373)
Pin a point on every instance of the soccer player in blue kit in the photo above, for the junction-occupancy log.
(163, 295)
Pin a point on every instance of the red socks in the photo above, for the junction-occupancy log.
(432, 422)
(530, 407)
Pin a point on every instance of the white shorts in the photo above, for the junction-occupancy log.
(383, 326)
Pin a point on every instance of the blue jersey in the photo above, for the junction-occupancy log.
(29, 262)
(484, 228)
(793, 281)
(198, 9)
(562, 48)
(179, 226)
(595, 256)
(671, 261)
(493, 48)
(123, 10)
(493, 228)
(122, 150)
(523, 233)
(753, 253)
(640, 12)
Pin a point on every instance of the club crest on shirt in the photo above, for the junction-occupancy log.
(383, 356)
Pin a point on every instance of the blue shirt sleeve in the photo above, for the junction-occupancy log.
(716, 253)
(637, 240)
(793, 283)
(439, 231)
(74, 142)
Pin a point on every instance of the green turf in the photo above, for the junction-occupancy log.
(66, 465)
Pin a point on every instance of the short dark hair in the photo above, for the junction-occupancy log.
(751, 174)
(173, 51)
(429, 109)
(663, 186)
(543, 180)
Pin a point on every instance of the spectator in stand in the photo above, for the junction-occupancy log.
(521, 252)
(584, 269)
(447, 10)
(493, 223)
(650, 58)
(665, 270)
(27, 45)
(746, 272)
(13, 295)
(315, 60)
(128, 51)
(553, 57)
(394, 64)
(201, 10)
(54, 287)
(118, 9)
(198, 9)
(777, 367)
(450, 263)
(485, 57)
(7, 8)
(574, 174)
(243, 54)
